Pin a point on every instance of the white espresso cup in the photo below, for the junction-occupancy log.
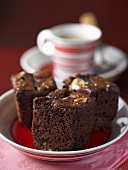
(71, 47)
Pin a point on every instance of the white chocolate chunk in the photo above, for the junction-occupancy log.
(77, 84)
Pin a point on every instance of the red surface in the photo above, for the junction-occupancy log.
(97, 138)
(9, 64)
(48, 67)
(23, 136)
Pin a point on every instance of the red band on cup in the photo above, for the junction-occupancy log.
(77, 49)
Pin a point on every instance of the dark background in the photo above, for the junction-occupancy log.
(21, 20)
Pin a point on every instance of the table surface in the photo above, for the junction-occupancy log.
(9, 64)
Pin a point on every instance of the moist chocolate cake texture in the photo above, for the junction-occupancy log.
(28, 86)
(63, 121)
(105, 92)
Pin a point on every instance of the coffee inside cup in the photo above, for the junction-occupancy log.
(74, 37)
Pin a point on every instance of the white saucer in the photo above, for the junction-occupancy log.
(33, 60)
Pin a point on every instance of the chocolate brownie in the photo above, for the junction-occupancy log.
(62, 122)
(28, 86)
(105, 92)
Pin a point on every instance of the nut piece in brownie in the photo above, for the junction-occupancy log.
(105, 92)
(28, 86)
(62, 123)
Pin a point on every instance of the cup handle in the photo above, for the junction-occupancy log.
(44, 42)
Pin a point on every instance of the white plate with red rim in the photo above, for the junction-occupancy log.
(8, 115)
(33, 60)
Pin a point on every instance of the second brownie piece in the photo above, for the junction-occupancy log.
(105, 92)
(28, 86)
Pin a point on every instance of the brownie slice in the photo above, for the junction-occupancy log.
(62, 123)
(105, 92)
(28, 86)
